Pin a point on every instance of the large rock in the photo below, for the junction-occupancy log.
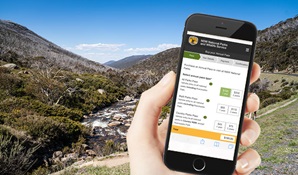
(101, 91)
(91, 153)
(85, 146)
(117, 117)
(130, 113)
(114, 123)
(10, 66)
(123, 147)
(128, 98)
(57, 154)
(79, 80)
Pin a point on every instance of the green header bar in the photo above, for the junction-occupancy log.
(191, 55)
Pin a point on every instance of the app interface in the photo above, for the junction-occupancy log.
(210, 93)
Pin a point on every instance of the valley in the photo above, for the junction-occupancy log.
(60, 108)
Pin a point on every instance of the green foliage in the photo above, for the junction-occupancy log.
(110, 147)
(269, 101)
(59, 130)
(15, 158)
(165, 111)
(45, 105)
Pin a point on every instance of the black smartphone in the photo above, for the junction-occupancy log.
(208, 106)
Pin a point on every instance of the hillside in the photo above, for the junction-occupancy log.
(44, 93)
(276, 50)
(152, 69)
(277, 47)
(126, 62)
(22, 46)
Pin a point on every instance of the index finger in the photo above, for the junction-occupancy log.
(255, 74)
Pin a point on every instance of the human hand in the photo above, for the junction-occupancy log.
(146, 140)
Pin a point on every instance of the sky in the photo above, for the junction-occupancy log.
(103, 30)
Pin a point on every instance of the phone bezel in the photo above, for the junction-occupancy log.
(228, 28)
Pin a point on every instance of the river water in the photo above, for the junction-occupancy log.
(110, 123)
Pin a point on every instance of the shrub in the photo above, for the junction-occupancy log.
(110, 147)
(57, 131)
(270, 101)
(284, 83)
(15, 158)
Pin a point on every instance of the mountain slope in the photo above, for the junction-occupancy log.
(19, 44)
(157, 65)
(277, 47)
(276, 50)
(126, 62)
(109, 62)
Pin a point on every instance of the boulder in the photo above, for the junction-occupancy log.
(127, 124)
(123, 147)
(10, 66)
(117, 117)
(91, 153)
(131, 107)
(79, 80)
(128, 98)
(101, 91)
(130, 113)
(114, 123)
(57, 154)
(85, 146)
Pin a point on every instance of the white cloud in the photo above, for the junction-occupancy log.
(99, 46)
(159, 48)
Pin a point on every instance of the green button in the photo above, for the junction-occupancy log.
(191, 55)
(225, 92)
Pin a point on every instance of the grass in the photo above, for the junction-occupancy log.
(90, 170)
(275, 105)
(278, 140)
(273, 77)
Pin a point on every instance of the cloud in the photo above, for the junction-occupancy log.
(159, 48)
(99, 46)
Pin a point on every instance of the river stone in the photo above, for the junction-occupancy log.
(117, 117)
(114, 123)
(123, 147)
(130, 113)
(128, 98)
(91, 153)
(57, 154)
(127, 124)
(85, 146)
(130, 107)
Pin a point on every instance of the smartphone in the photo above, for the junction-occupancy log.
(208, 106)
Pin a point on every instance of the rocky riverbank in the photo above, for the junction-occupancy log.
(109, 126)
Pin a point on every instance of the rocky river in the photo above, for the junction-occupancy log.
(110, 124)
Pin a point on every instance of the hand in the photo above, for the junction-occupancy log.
(146, 139)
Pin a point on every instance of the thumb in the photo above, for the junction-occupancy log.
(150, 104)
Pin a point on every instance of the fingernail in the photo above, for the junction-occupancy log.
(250, 135)
(243, 163)
(166, 79)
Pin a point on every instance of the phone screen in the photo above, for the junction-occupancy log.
(210, 95)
